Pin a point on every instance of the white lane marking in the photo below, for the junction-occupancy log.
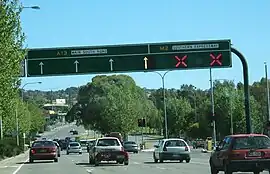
(162, 168)
(89, 170)
(200, 163)
(136, 163)
(17, 170)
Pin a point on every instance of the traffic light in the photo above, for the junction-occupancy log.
(141, 122)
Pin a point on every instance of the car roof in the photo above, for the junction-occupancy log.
(246, 135)
(113, 138)
(169, 139)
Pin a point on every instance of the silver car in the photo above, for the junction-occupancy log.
(172, 149)
(131, 146)
(74, 147)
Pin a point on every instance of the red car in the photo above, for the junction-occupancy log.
(43, 150)
(241, 153)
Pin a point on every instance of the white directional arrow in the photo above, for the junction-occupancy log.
(76, 65)
(111, 64)
(145, 62)
(41, 67)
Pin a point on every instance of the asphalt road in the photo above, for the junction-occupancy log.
(139, 163)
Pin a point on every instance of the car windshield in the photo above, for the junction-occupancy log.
(108, 142)
(130, 142)
(74, 144)
(43, 143)
(257, 142)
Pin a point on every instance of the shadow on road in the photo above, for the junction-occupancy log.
(35, 162)
(103, 164)
(150, 162)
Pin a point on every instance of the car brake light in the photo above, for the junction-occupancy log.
(186, 148)
(122, 149)
(52, 150)
(33, 151)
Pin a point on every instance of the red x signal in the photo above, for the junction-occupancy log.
(181, 61)
(216, 59)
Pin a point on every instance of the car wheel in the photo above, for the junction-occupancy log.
(120, 162)
(96, 162)
(90, 161)
(31, 160)
(256, 172)
(187, 160)
(80, 152)
(181, 160)
(56, 160)
(155, 159)
(212, 167)
(59, 155)
(126, 162)
(67, 153)
(227, 169)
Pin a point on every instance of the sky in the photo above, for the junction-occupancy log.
(67, 23)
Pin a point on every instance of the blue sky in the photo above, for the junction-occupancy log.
(61, 23)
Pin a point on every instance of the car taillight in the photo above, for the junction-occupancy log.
(33, 151)
(122, 149)
(52, 149)
(186, 148)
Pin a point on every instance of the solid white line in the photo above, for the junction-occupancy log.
(17, 170)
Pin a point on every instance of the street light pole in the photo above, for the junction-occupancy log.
(164, 101)
(213, 109)
(16, 110)
(267, 90)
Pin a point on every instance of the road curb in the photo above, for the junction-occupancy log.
(11, 158)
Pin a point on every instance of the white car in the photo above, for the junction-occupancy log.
(108, 149)
(74, 147)
(172, 149)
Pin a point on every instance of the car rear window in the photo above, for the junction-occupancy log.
(108, 142)
(130, 142)
(83, 142)
(74, 144)
(175, 143)
(43, 143)
(256, 142)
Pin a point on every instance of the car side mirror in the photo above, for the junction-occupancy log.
(156, 146)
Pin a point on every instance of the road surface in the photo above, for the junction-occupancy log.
(141, 163)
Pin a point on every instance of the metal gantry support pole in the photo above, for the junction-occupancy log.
(267, 91)
(246, 89)
(213, 109)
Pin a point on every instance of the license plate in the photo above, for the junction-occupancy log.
(43, 150)
(175, 155)
(254, 154)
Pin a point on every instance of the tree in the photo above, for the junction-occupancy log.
(11, 56)
(114, 103)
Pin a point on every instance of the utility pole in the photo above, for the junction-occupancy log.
(267, 91)
(213, 109)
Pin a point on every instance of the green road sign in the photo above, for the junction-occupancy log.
(129, 58)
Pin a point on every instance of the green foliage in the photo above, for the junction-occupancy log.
(29, 116)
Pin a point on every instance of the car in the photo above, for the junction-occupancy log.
(63, 144)
(84, 144)
(108, 149)
(131, 146)
(241, 153)
(74, 147)
(43, 150)
(90, 144)
(172, 149)
(58, 148)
